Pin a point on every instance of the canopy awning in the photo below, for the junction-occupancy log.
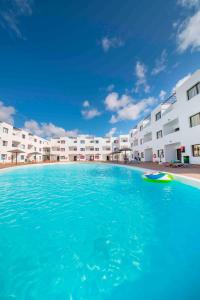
(35, 153)
(16, 151)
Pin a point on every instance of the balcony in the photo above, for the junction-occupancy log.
(172, 138)
(146, 122)
(168, 105)
(171, 127)
(147, 137)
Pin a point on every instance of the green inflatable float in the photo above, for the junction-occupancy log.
(158, 177)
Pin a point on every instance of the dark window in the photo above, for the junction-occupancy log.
(160, 153)
(195, 120)
(141, 127)
(159, 134)
(198, 87)
(5, 130)
(193, 91)
(196, 150)
(158, 116)
(5, 143)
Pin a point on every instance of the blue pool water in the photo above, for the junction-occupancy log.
(97, 232)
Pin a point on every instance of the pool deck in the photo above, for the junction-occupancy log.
(191, 171)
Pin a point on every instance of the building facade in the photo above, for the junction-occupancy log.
(29, 147)
(20, 144)
(172, 130)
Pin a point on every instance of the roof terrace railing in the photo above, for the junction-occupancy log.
(171, 99)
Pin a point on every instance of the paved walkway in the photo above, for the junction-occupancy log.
(192, 171)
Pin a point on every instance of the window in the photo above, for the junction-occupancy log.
(96, 149)
(97, 142)
(140, 141)
(160, 153)
(62, 142)
(22, 157)
(158, 116)
(75, 141)
(82, 142)
(5, 130)
(195, 120)
(193, 91)
(159, 134)
(141, 127)
(82, 149)
(5, 143)
(135, 142)
(198, 87)
(23, 136)
(62, 149)
(92, 142)
(3, 156)
(196, 150)
(35, 140)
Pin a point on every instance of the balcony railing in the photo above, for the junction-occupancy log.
(171, 99)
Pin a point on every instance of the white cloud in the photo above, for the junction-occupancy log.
(160, 64)
(10, 18)
(180, 82)
(6, 113)
(188, 31)
(162, 95)
(126, 108)
(48, 130)
(189, 3)
(86, 103)
(189, 34)
(140, 72)
(113, 102)
(108, 43)
(111, 132)
(91, 113)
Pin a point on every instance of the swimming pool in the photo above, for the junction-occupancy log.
(97, 232)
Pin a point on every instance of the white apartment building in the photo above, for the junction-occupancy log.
(86, 148)
(172, 130)
(29, 147)
(26, 147)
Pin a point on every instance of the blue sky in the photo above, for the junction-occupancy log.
(92, 66)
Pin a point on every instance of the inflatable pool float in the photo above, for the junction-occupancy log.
(158, 177)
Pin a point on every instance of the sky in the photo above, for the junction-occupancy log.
(92, 66)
